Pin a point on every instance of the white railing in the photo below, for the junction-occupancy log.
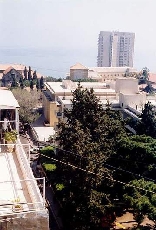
(29, 177)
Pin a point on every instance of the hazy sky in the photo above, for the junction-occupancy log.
(75, 25)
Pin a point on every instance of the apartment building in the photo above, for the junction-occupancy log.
(115, 49)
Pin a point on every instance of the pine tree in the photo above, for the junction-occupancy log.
(147, 125)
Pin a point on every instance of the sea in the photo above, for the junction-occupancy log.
(49, 61)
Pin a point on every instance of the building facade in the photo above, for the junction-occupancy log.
(78, 71)
(115, 49)
(58, 96)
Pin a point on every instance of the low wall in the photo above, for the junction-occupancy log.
(29, 177)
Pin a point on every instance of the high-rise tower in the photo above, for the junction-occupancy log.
(115, 49)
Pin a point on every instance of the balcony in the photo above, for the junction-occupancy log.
(19, 192)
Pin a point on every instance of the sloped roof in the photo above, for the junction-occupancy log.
(15, 66)
(9, 69)
(78, 66)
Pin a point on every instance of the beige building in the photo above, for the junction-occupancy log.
(78, 71)
(101, 74)
(58, 96)
(110, 73)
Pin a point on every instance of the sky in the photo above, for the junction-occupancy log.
(70, 29)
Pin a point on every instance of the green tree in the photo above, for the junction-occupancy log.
(147, 123)
(31, 85)
(34, 75)
(41, 83)
(25, 73)
(37, 85)
(27, 101)
(29, 74)
(21, 83)
(91, 132)
(14, 83)
(141, 196)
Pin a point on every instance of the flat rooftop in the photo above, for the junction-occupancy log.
(68, 87)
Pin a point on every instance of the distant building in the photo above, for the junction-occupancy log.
(115, 49)
(10, 72)
(101, 74)
(57, 96)
(78, 71)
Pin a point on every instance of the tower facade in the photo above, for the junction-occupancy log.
(115, 49)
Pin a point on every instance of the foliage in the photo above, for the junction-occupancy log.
(59, 187)
(21, 83)
(34, 75)
(144, 76)
(14, 83)
(37, 85)
(27, 101)
(31, 85)
(10, 136)
(140, 195)
(91, 133)
(86, 80)
(53, 79)
(47, 151)
(147, 124)
(25, 73)
(49, 167)
(29, 74)
(41, 83)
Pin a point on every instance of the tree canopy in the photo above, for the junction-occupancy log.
(91, 133)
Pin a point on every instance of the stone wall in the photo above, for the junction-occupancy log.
(29, 221)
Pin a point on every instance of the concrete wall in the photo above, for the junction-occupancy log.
(126, 85)
(76, 74)
(29, 221)
(133, 100)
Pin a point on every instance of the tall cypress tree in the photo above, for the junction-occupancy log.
(31, 85)
(25, 73)
(37, 85)
(29, 74)
(34, 75)
(41, 83)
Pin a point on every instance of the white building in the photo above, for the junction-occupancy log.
(115, 49)
(21, 203)
(58, 96)
(101, 74)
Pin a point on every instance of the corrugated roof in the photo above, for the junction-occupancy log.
(78, 66)
(7, 98)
